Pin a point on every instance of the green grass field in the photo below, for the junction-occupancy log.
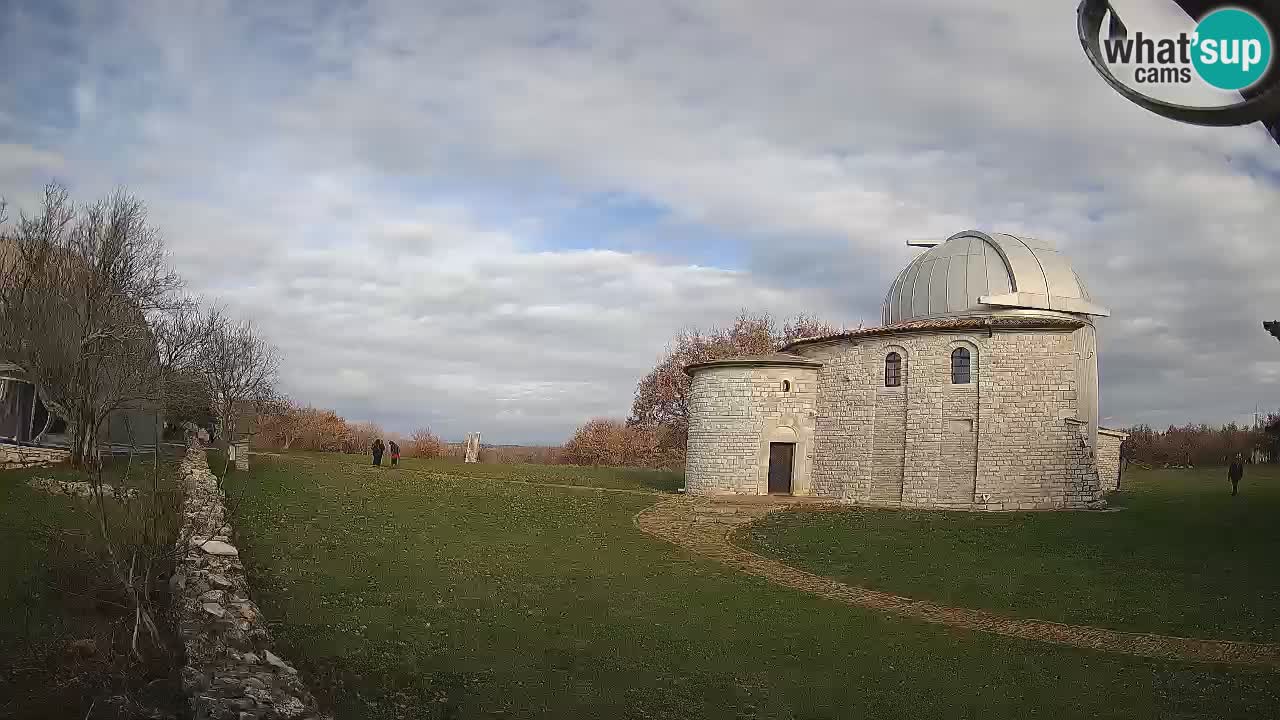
(435, 590)
(619, 478)
(1183, 557)
(55, 590)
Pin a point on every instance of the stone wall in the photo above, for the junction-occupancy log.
(1109, 442)
(1032, 453)
(21, 456)
(1000, 442)
(734, 414)
(231, 672)
(846, 408)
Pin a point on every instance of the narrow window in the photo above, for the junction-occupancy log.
(960, 366)
(893, 370)
(786, 386)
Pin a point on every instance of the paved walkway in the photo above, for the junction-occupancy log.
(703, 525)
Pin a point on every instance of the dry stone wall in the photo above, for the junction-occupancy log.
(231, 671)
(22, 456)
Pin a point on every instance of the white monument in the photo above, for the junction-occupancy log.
(472, 447)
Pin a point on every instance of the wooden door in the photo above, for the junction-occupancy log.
(781, 459)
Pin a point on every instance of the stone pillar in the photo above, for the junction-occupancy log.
(240, 454)
(472, 447)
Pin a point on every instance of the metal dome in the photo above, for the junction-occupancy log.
(975, 272)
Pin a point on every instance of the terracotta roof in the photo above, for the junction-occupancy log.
(949, 323)
(769, 360)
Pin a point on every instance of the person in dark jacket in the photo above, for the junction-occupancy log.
(395, 453)
(377, 449)
(1235, 472)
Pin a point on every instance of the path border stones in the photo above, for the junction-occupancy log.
(704, 525)
(231, 672)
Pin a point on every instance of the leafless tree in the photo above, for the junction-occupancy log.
(77, 288)
(360, 436)
(181, 334)
(239, 367)
(91, 312)
(95, 317)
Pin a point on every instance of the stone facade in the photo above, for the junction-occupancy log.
(1015, 437)
(1002, 441)
(1109, 442)
(231, 672)
(21, 456)
(736, 412)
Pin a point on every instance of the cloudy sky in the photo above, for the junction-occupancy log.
(492, 216)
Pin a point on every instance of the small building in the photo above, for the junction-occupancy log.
(29, 428)
(30, 433)
(979, 391)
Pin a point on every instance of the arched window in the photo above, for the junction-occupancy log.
(893, 370)
(786, 386)
(960, 366)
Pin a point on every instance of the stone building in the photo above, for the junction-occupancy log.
(978, 392)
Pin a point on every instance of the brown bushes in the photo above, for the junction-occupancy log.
(425, 444)
(604, 441)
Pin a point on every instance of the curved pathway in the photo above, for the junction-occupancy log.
(703, 526)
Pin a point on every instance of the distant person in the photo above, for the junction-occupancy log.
(395, 453)
(1235, 472)
(377, 450)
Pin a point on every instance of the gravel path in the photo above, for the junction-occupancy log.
(704, 525)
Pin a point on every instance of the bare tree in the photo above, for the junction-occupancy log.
(181, 334)
(91, 313)
(77, 287)
(425, 444)
(360, 436)
(239, 367)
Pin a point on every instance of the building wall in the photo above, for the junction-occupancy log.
(1010, 439)
(846, 408)
(734, 414)
(1109, 442)
(1086, 349)
(1033, 450)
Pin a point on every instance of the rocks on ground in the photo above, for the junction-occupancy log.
(231, 671)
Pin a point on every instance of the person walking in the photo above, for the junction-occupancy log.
(395, 453)
(377, 449)
(1235, 472)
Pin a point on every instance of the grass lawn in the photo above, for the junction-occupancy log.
(54, 591)
(423, 593)
(1183, 557)
(620, 478)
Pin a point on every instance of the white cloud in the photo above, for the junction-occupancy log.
(381, 185)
